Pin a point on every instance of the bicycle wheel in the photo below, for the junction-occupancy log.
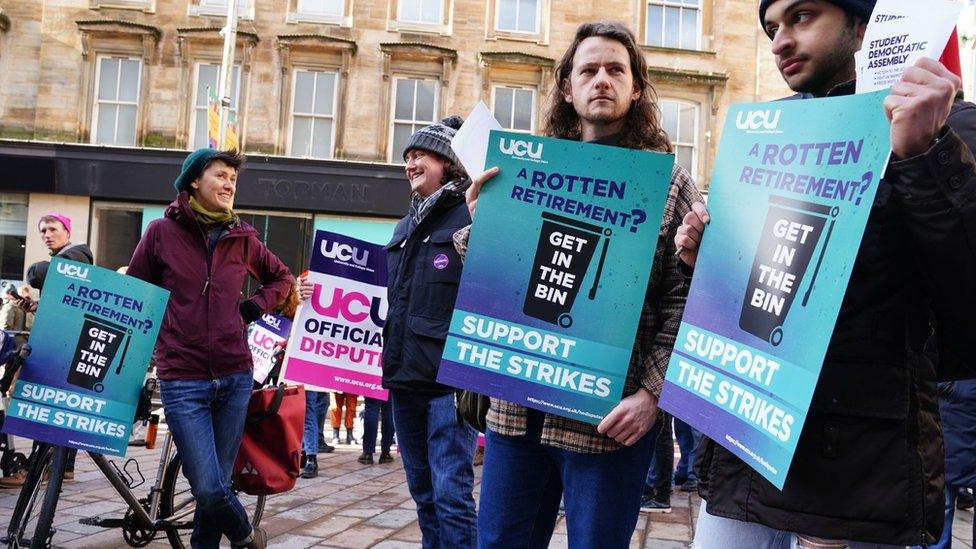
(176, 504)
(30, 523)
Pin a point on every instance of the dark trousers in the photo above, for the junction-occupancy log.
(658, 480)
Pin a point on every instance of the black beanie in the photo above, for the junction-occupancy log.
(436, 138)
(36, 274)
(860, 8)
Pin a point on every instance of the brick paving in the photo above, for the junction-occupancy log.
(349, 505)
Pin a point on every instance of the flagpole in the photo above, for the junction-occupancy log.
(225, 80)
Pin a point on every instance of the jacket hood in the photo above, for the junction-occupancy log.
(76, 252)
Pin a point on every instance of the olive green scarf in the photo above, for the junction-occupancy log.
(208, 218)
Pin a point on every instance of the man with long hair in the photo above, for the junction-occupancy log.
(602, 95)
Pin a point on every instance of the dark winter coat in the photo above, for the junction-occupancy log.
(76, 252)
(957, 408)
(425, 271)
(203, 335)
(869, 461)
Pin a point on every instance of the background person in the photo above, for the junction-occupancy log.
(202, 253)
(55, 232)
(344, 402)
(371, 420)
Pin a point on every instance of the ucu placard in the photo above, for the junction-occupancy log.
(344, 252)
(521, 149)
(73, 271)
(760, 120)
(337, 337)
(265, 336)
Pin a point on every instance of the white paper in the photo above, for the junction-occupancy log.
(470, 144)
(899, 34)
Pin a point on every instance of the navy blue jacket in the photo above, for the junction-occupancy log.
(957, 408)
(425, 271)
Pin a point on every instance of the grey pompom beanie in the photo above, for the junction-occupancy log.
(436, 138)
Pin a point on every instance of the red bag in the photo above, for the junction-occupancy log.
(271, 449)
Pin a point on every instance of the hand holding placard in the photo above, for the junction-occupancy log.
(919, 106)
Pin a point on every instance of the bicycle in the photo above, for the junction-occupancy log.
(11, 460)
(168, 508)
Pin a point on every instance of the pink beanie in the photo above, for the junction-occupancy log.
(65, 220)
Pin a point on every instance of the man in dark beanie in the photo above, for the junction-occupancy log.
(868, 467)
(203, 253)
(424, 273)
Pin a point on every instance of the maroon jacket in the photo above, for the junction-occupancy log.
(203, 335)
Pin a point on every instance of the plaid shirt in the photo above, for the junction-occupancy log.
(664, 303)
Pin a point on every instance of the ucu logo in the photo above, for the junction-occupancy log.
(520, 148)
(272, 321)
(73, 271)
(344, 252)
(352, 306)
(263, 341)
(754, 120)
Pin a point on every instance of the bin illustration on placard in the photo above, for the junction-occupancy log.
(790, 237)
(562, 259)
(98, 344)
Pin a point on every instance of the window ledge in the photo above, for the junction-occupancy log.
(147, 6)
(682, 51)
(525, 37)
(217, 11)
(299, 17)
(411, 26)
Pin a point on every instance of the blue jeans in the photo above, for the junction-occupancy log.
(438, 452)
(206, 418)
(688, 439)
(315, 401)
(712, 532)
(945, 542)
(371, 422)
(523, 481)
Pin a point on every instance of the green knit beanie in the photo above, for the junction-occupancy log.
(193, 166)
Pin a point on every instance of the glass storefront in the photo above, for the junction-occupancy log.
(13, 235)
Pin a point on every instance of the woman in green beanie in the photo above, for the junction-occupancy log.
(202, 253)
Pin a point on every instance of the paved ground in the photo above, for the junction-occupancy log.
(348, 505)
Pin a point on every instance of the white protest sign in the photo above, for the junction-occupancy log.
(470, 144)
(900, 33)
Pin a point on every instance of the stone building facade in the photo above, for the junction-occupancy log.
(703, 55)
(338, 85)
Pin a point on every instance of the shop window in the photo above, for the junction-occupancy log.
(514, 108)
(680, 120)
(206, 77)
(674, 24)
(116, 230)
(313, 114)
(414, 107)
(13, 235)
(288, 237)
(116, 101)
